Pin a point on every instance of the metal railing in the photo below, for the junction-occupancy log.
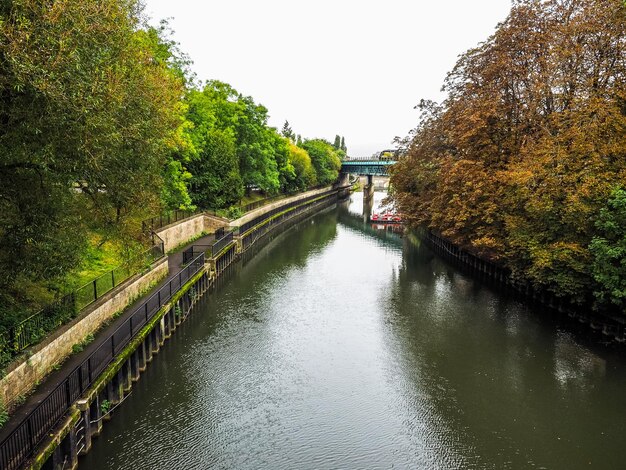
(223, 239)
(291, 212)
(262, 202)
(220, 244)
(170, 217)
(261, 218)
(193, 251)
(34, 328)
(95, 289)
(24, 439)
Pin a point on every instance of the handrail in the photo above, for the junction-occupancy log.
(257, 220)
(211, 250)
(220, 244)
(30, 432)
(34, 328)
(166, 218)
(262, 202)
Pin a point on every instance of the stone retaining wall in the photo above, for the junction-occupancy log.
(25, 375)
(176, 234)
(281, 202)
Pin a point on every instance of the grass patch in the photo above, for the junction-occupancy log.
(100, 257)
(253, 197)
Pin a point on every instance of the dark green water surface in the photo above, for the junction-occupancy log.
(341, 347)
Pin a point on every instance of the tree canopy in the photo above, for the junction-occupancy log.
(518, 162)
(325, 159)
(102, 125)
(88, 109)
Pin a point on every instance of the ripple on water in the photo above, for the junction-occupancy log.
(339, 350)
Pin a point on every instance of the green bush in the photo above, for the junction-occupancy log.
(234, 212)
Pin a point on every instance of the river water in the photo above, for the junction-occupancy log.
(339, 346)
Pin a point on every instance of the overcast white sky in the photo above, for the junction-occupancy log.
(332, 67)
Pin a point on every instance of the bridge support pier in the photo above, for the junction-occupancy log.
(368, 205)
(368, 190)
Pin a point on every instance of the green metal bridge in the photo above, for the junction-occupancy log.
(376, 165)
(369, 167)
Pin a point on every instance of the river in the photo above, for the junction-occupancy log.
(340, 346)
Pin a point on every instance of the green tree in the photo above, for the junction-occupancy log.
(324, 158)
(87, 107)
(255, 148)
(287, 132)
(304, 172)
(222, 107)
(608, 248)
(216, 182)
(337, 143)
(286, 171)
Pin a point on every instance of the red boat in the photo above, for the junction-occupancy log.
(387, 218)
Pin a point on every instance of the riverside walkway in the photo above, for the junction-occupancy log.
(32, 423)
(175, 263)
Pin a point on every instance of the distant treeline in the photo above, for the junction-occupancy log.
(230, 148)
(525, 162)
(101, 124)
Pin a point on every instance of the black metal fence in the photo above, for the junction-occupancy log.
(155, 223)
(223, 239)
(24, 439)
(318, 201)
(193, 251)
(261, 218)
(262, 202)
(219, 233)
(95, 289)
(31, 330)
(34, 328)
(220, 244)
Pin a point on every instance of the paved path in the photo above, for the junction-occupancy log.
(174, 261)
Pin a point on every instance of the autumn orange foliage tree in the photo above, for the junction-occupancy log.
(518, 161)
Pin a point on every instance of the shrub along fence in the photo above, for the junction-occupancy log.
(34, 328)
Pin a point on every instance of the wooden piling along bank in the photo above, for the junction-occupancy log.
(62, 427)
(612, 327)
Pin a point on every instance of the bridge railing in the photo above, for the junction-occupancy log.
(374, 160)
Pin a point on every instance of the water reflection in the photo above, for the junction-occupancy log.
(343, 346)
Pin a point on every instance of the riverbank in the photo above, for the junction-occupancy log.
(211, 269)
(612, 327)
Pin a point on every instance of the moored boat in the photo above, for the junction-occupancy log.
(386, 218)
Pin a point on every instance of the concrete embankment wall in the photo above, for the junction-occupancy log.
(23, 376)
(179, 233)
(269, 207)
